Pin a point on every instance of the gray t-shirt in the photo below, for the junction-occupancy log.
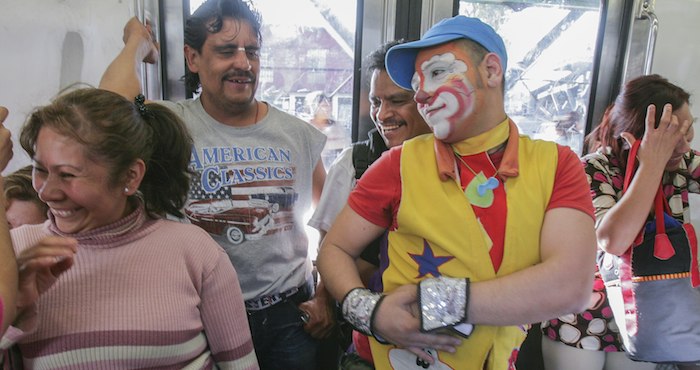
(251, 188)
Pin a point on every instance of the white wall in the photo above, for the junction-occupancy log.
(48, 44)
(677, 57)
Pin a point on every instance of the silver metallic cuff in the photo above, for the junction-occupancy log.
(443, 302)
(358, 306)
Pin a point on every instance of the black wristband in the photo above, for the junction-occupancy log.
(371, 322)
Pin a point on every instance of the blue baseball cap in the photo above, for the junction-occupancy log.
(401, 59)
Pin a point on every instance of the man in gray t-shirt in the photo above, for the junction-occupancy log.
(256, 172)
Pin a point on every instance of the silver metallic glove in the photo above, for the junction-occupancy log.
(358, 309)
(443, 305)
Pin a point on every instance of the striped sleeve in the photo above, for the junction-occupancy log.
(225, 319)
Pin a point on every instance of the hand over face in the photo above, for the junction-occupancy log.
(663, 145)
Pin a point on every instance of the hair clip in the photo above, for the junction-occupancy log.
(140, 102)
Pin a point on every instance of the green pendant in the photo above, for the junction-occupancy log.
(483, 200)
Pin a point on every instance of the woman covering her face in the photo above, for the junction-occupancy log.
(107, 281)
(655, 111)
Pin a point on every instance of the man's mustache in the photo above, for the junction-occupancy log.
(238, 74)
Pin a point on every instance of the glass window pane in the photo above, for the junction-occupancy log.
(550, 63)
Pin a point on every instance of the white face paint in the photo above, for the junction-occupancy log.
(443, 91)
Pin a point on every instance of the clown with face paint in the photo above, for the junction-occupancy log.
(479, 218)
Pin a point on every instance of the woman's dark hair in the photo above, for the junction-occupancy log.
(18, 186)
(628, 112)
(208, 19)
(115, 133)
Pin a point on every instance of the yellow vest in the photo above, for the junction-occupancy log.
(436, 214)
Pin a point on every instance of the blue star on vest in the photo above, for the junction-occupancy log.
(428, 263)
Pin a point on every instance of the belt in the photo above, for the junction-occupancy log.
(262, 303)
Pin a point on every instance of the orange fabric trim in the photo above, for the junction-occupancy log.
(677, 275)
(444, 156)
(509, 166)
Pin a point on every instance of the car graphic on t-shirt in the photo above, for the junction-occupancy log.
(247, 217)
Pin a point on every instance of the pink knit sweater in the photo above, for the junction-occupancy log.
(141, 294)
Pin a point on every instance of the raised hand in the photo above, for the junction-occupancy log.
(659, 143)
(5, 140)
(41, 265)
(143, 37)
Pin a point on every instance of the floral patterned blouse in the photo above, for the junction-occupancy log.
(595, 329)
(606, 178)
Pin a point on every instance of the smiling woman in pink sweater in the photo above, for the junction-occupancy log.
(107, 282)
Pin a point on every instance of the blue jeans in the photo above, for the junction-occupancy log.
(280, 340)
